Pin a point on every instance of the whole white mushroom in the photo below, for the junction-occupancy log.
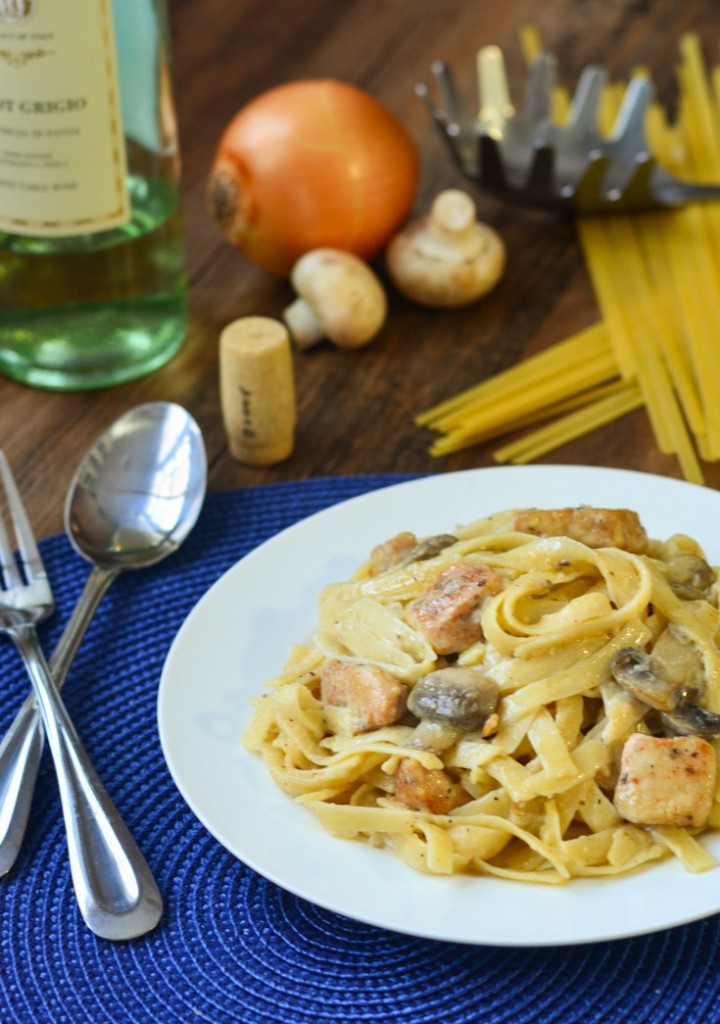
(339, 298)
(447, 257)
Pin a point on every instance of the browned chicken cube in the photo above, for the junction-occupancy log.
(448, 614)
(375, 698)
(391, 553)
(427, 789)
(595, 527)
(666, 781)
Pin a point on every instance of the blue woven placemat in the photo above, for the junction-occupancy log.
(232, 947)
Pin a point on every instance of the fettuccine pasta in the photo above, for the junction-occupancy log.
(535, 696)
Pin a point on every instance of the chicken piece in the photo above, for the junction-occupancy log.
(448, 614)
(391, 553)
(666, 780)
(595, 527)
(427, 789)
(375, 698)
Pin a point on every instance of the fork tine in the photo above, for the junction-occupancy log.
(494, 94)
(628, 145)
(9, 574)
(27, 547)
(585, 106)
(450, 96)
(541, 79)
(438, 115)
(630, 122)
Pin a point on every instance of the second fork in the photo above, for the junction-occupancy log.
(116, 892)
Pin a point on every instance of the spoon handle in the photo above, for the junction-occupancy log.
(115, 889)
(21, 748)
(67, 646)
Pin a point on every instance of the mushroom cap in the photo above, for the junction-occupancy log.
(689, 575)
(428, 548)
(692, 720)
(667, 680)
(344, 295)
(460, 697)
(632, 668)
(664, 680)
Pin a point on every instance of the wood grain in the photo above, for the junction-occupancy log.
(355, 409)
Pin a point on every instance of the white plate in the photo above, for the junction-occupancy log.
(239, 635)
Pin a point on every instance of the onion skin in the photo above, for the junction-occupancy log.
(308, 165)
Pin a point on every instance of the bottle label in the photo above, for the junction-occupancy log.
(62, 149)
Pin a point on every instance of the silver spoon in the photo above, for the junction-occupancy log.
(133, 500)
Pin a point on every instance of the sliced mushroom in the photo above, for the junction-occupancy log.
(678, 662)
(689, 576)
(429, 548)
(434, 736)
(669, 681)
(632, 669)
(457, 699)
(691, 720)
(404, 549)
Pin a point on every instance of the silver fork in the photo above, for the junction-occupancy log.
(116, 892)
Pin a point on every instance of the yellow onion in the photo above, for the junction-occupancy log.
(312, 164)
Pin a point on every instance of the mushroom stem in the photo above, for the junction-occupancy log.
(435, 736)
(450, 231)
(304, 326)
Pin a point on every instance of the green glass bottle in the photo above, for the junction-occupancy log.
(92, 264)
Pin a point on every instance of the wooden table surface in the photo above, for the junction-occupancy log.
(355, 409)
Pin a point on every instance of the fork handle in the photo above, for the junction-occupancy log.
(22, 745)
(116, 892)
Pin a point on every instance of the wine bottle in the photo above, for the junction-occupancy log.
(92, 265)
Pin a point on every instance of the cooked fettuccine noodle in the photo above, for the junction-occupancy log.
(533, 697)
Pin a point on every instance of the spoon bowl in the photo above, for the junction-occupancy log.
(138, 492)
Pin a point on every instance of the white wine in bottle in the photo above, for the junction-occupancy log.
(92, 264)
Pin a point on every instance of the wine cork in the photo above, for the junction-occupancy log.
(257, 390)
